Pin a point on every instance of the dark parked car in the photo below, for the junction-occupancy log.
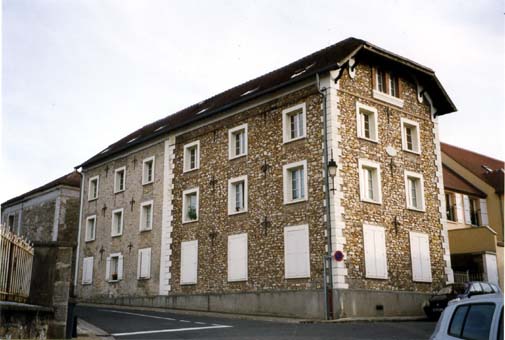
(439, 301)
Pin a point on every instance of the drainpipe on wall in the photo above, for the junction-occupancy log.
(78, 236)
(328, 293)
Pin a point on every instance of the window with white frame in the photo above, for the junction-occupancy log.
(237, 141)
(117, 222)
(119, 179)
(148, 170)
(420, 257)
(367, 122)
(87, 270)
(386, 87)
(144, 264)
(190, 205)
(237, 257)
(374, 241)
(414, 190)
(370, 181)
(295, 182)
(296, 252)
(90, 232)
(189, 262)
(294, 123)
(411, 140)
(475, 211)
(450, 206)
(237, 195)
(114, 267)
(93, 188)
(191, 156)
(146, 216)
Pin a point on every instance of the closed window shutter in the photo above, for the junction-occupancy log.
(237, 257)
(466, 207)
(380, 253)
(459, 208)
(189, 262)
(84, 270)
(139, 263)
(369, 243)
(296, 252)
(120, 267)
(420, 256)
(483, 212)
(146, 263)
(107, 269)
(375, 252)
(87, 270)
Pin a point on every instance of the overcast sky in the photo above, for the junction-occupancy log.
(79, 75)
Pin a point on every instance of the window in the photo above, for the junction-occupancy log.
(146, 216)
(189, 262)
(144, 264)
(471, 205)
(10, 222)
(148, 170)
(410, 136)
(386, 87)
(420, 256)
(119, 179)
(237, 195)
(414, 188)
(93, 188)
(117, 222)
(87, 270)
(114, 267)
(237, 257)
(294, 123)
(89, 234)
(450, 206)
(374, 241)
(472, 321)
(370, 181)
(237, 142)
(295, 182)
(192, 156)
(190, 205)
(367, 122)
(296, 252)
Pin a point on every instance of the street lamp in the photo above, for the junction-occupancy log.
(332, 171)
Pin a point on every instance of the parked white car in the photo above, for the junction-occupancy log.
(477, 318)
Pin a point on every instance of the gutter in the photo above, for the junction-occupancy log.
(76, 272)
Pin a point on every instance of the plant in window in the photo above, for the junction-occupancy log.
(192, 213)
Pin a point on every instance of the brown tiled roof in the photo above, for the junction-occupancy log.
(72, 179)
(454, 182)
(488, 169)
(326, 59)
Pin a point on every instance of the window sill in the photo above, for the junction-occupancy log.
(287, 141)
(191, 221)
(388, 98)
(237, 280)
(307, 276)
(113, 281)
(143, 278)
(88, 241)
(92, 199)
(146, 183)
(411, 151)
(232, 213)
(295, 201)
(185, 171)
(376, 141)
(416, 209)
(370, 201)
(116, 235)
(86, 283)
(187, 283)
(230, 158)
(422, 281)
(145, 229)
(376, 277)
(119, 191)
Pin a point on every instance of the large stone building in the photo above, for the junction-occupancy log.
(47, 213)
(227, 205)
(474, 201)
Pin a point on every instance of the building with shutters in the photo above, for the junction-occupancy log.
(474, 204)
(227, 205)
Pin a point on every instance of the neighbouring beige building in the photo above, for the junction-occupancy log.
(474, 201)
(228, 205)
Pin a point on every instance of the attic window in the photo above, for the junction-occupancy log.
(161, 127)
(131, 140)
(249, 92)
(301, 71)
(202, 111)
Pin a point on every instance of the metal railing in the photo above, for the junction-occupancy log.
(462, 277)
(16, 259)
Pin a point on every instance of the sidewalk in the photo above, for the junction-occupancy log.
(87, 331)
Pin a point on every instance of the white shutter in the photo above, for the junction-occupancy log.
(145, 271)
(84, 270)
(296, 252)
(120, 267)
(87, 270)
(107, 269)
(189, 262)
(459, 208)
(483, 212)
(420, 256)
(237, 257)
(466, 207)
(139, 263)
(374, 241)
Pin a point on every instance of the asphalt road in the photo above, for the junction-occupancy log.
(142, 324)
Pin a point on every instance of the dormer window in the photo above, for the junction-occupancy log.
(386, 87)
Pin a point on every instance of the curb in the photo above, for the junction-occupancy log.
(371, 319)
(85, 330)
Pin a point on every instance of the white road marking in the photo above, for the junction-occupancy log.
(137, 314)
(200, 323)
(171, 330)
(184, 321)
